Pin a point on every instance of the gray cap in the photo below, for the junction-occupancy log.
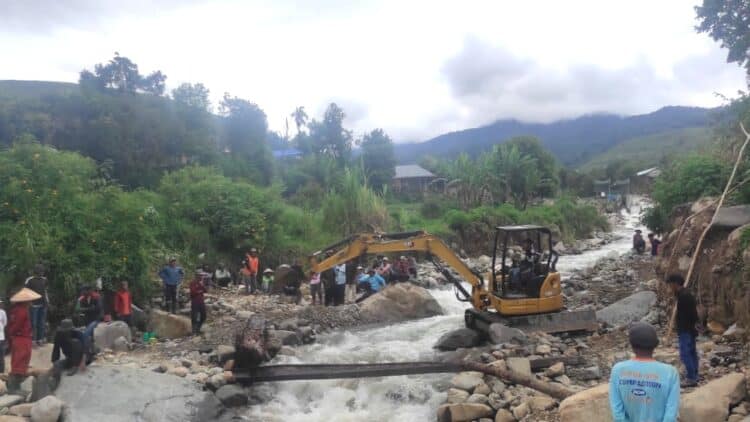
(643, 336)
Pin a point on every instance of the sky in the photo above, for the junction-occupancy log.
(411, 67)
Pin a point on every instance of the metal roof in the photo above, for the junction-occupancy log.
(525, 227)
(411, 171)
(647, 171)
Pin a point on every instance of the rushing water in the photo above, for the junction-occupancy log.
(403, 398)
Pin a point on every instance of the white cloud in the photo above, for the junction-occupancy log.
(416, 69)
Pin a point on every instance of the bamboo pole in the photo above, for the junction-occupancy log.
(710, 224)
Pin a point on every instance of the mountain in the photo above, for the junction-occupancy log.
(573, 141)
(649, 151)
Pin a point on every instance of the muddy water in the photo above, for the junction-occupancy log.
(404, 398)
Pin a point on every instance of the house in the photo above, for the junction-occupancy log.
(411, 178)
(287, 154)
(644, 179)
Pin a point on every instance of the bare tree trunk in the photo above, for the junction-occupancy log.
(554, 390)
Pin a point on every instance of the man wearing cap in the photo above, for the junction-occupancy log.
(38, 283)
(171, 275)
(686, 323)
(374, 283)
(267, 280)
(197, 302)
(70, 342)
(253, 265)
(19, 336)
(642, 389)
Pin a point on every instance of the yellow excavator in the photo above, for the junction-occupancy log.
(522, 289)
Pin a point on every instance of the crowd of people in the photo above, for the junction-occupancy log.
(23, 328)
(338, 285)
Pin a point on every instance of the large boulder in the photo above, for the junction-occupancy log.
(121, 394)
(232, 395)
(106, 334)
(460, 338)
(47, 409)
(500, 333)
(467, 380)
(167, 325)
(628, 310)
(588, 405)
(400, 302)
(712, 401)
(732, 217)
(463, 412)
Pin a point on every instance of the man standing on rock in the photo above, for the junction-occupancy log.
(655, 242)
(642, 389)
(686, 322)
(339, 288)
(197, 302)
(38, 283)
(171, 275)
(124, 304)
(638, 243)
(19, 336)
(253, 265)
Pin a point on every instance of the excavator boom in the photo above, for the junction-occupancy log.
(418, 241)
(529, 312)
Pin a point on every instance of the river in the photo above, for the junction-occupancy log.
(403, 398)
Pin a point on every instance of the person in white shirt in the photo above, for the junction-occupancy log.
(3, 323)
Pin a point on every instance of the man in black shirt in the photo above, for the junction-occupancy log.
(686, 321)
(38, 312)
(70, 342)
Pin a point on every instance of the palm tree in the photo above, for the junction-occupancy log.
(300, 118)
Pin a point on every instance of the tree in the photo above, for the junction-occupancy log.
(514, 174)
(192, 95)
(121, 74)
(530, 146)
(300, 118)
(378, 158)
(245, 131)
(329, 136)
(728, 21)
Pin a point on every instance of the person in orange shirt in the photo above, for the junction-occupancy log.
(124, 304)
(251, 284)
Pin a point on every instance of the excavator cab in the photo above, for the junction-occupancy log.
(523, 259)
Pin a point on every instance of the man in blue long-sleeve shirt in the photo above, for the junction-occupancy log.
(642, 389)
(171, 275)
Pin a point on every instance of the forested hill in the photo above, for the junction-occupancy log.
(573, 141)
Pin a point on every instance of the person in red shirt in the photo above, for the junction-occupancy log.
(124, 304)
(197, 303)
(252, 265)
(19, 336)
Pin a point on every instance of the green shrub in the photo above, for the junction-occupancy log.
(431, 208)
(55, 210)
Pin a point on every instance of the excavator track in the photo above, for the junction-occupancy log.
(555, 322)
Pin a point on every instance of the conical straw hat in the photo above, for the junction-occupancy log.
(25, 295)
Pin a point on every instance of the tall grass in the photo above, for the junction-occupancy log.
(352, 207)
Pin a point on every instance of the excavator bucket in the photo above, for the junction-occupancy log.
(558, 322)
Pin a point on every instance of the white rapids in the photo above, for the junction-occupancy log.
(402, 398)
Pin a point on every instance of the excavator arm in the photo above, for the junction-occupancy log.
(417, 241)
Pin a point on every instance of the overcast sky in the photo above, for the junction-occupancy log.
(415, 68)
